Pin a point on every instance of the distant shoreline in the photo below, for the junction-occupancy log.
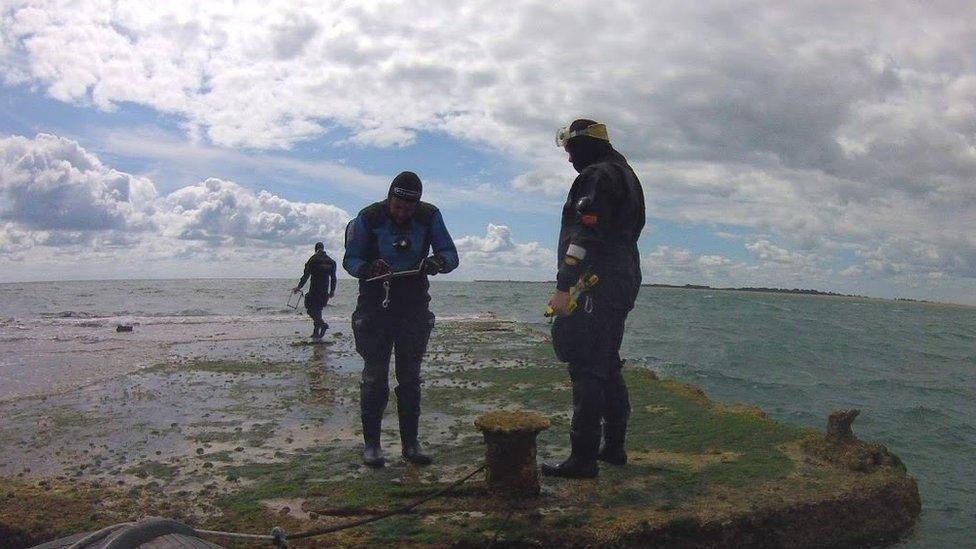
(794, 291)
(755, 289)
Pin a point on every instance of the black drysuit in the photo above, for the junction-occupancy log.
(601, 221)
(321, 270)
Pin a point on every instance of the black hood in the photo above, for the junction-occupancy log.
(585, 151)
(406, 186)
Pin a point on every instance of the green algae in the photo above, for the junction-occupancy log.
(692, 462)
(511, 422)
(225, 456)
(257, 435)
(227, 366)
(154, 469)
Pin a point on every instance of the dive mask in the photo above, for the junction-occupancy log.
(598, 131)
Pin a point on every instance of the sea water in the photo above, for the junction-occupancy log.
(909, 367)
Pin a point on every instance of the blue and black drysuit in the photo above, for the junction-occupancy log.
(404, 326)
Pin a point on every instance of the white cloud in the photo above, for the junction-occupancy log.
(829, 126)
(175, 153)
(818, 214)
(215, 224)
(954, 254)
(14, 241)
(56, 196)
(52, 183)
(765, 250)
(497, 254)
(220, 212)
(550, 182)
(671, 265)
(769, 80)
(777, 267)
(175, 156)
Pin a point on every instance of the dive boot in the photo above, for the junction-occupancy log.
(372, 452)
(613, 451)
(582, 457)
(412, 453)
(613, 456)
(572, 468)
(408, 412)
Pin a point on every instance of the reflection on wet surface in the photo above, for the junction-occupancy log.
(243, 396)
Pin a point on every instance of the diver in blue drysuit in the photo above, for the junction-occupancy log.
(392, 236)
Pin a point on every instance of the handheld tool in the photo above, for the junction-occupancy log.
(585, 283)
(392, 275)
(293, 301)
(386, 278)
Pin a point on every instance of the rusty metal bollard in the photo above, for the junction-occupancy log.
(510, 451)
(839, 425)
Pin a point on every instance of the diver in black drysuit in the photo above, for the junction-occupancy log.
(601, 222)
(321, 269)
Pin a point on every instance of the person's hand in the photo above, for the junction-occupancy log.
(295, 290)
(559, 303)
(377, 268)
(432, 265)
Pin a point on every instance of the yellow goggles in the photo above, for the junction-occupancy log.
(598, 131)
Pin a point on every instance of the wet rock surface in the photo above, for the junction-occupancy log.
(250, 433)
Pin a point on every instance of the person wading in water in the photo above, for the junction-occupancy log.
(321, 269)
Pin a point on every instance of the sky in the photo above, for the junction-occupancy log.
(826, 145)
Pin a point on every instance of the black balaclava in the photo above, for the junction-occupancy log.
(583, 149)
(406, 186)
(319, 247)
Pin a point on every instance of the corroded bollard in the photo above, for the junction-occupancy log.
(839, 425)
(511, 470)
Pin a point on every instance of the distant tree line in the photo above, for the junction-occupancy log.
(753, 289)
(797, 291)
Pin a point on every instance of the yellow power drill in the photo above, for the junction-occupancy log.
(585, 283)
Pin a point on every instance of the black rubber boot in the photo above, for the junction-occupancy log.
(408, 412)
(372, 452)
(616, 411)
(613, 451)
(584, 434)
(582, 459)
(572, 468)
(412, 453)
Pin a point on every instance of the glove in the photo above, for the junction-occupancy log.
(377, 268)
(432, 265)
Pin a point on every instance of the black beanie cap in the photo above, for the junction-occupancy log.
(406, 186)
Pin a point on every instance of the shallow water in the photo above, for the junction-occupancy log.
(909, 367)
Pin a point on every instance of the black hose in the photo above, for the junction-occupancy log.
(406, 508)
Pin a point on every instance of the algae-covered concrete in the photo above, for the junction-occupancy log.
(271, 437)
